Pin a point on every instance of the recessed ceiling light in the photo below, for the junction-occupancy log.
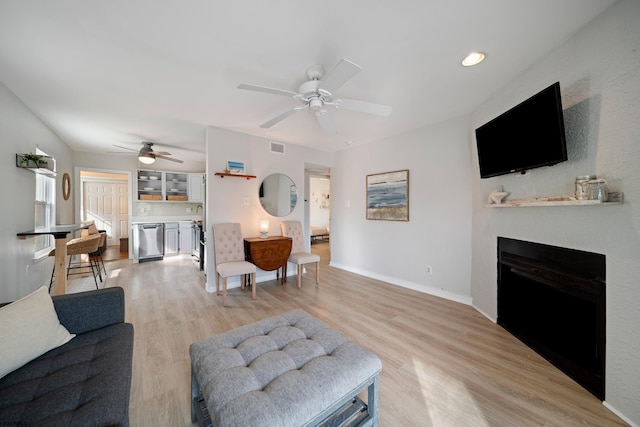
(473, 58)
(349, 142)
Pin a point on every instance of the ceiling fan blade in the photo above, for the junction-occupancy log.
(160, 153)
(326, 124)
(363, 107)
(126, 148)
(168, 158)
(341, 73)
(267, 90)
(278, 118)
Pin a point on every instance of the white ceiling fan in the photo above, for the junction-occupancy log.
(148, 155)
(317, 93)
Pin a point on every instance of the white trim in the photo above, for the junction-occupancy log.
(406, 284)
(619, 414)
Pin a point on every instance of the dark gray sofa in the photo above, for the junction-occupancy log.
(85, 382)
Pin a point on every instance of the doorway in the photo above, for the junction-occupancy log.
(104, 199)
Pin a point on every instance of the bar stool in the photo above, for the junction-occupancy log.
(97, 255)
(81, 246)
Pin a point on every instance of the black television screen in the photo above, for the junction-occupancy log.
(528, 136)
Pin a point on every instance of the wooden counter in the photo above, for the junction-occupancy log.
(60, 233)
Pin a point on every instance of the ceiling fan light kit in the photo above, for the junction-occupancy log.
(474, 58)
(317, 93)
(148, 155)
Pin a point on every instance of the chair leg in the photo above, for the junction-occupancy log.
(52, 277)
(299, 275)
(97, 263)
(217, 283)
(317, 272)
(103, 266)
(93, 271)
(224, 291)
(253, 285)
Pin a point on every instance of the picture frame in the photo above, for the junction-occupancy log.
(235, 168)
(388, 196)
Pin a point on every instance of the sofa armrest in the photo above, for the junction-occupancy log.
(85, 311)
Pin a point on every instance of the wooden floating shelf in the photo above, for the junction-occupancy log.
(614, 199)
(236, 175)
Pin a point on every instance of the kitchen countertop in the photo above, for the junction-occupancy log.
(156, 219)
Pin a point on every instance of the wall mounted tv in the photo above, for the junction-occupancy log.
(529, 135)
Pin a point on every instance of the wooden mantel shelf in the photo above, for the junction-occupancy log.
(236, 175)
(614, 199)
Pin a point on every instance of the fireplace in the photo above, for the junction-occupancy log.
(553, 300)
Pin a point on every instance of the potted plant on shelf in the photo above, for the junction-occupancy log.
(30, 158)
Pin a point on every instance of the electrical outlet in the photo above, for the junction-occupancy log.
(429, 269)
(188, 210)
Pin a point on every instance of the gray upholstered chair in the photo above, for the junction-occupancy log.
(228, 248)
(298, 255)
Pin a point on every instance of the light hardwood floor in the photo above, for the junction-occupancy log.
(444, 364)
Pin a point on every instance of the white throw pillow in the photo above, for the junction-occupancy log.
(29, 328)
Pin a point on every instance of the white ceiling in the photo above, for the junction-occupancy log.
(104, 72)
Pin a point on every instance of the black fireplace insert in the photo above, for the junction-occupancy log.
(553, 300)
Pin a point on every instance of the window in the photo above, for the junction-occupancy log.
(45, 210)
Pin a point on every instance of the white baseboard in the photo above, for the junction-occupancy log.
(619, 414)
(407, 284)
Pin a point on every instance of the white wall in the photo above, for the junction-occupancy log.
(21, 132)
(226, 196)
(599, 74)
(438, 232)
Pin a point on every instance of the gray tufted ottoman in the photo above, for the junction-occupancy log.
(287, 370)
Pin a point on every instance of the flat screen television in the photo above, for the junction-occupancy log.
(529, 135)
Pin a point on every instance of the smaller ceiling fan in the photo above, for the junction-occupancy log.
(147, 155)
(317, 93)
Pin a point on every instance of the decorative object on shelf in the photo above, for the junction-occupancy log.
(32, 160)
(264, 228)
(497, 195)
(37, 163)
(598, 190)
(66, 186)
(235, 168)
(388, 196)
(582, 186)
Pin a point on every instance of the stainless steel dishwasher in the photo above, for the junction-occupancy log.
(148, 241)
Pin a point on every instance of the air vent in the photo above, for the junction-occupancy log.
(277, 147)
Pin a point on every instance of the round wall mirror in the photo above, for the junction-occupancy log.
(278, 194)
(66, 186)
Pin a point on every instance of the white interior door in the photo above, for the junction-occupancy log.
(106, 203)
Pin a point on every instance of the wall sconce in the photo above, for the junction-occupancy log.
(264, 228)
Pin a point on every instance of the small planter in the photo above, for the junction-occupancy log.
(36, 163)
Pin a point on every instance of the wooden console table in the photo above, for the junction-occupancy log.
(269, 254)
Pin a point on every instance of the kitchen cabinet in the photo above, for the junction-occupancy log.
(196, 187)
(177, 238)
(175, 185)
(152, 185)
(171, 238)
(185, 237)
(149, 185)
